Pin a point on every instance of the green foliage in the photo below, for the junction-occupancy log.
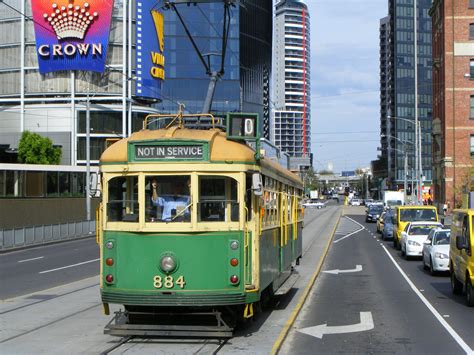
(34, 149)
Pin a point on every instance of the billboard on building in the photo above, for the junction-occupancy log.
(150, 61)
(72, 34)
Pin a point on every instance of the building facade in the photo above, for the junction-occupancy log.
(453, 104)
(292, 88)
(54, 104)
(398, 90)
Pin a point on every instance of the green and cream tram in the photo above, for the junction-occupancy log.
(226, 236)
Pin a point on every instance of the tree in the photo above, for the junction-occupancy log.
(34, 149)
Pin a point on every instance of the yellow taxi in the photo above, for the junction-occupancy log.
(461, 257)
(406, 214)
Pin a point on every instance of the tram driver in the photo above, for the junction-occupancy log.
(173, 197)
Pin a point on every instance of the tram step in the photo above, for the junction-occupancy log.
(119, 326)
(287, 285)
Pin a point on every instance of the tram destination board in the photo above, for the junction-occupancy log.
(165, 152)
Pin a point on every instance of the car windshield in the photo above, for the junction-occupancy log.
(441, 238)
(422, 229)
(413, 214)
(376, 209)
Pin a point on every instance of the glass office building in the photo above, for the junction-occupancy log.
(244, 86)
(398, 83)
(54, 104)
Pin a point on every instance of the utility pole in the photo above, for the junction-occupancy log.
(88, 158)
(417, 124)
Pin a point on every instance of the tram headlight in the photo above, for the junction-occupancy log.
(234, 245)
(167, 263)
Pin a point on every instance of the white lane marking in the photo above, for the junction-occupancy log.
(68, 266)
(358, 268)
(366, 323)
(438, 316)
(24, 261)
(348, 235)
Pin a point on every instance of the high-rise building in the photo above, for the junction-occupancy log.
(453, 100)
(291, 90)
(244, 85)
(398, 90)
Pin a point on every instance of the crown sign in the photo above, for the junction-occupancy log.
(70, 21)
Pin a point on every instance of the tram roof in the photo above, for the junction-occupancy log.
(220, 148)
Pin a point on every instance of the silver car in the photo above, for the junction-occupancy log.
(436, 251)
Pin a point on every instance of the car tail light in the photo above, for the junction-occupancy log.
(109, 261)
(234, 262)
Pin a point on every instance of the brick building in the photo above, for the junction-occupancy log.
(453, 99)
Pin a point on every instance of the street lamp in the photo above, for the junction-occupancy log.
(405, 152)
(417, 144)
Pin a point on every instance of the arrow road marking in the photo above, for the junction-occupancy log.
(358, 268)
(366, 323)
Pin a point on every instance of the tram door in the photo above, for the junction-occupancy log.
(286, 247)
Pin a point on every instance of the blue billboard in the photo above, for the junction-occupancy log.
(150, 61)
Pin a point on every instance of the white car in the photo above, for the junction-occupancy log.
(314, 204)
(356, 202)
(414, 236)
(436, 251)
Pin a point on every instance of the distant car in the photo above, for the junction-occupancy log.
(314, 204)
(373, 213)
(436, 251)
(387, 231)
(355, 202)
(368, 202)
(414, 236)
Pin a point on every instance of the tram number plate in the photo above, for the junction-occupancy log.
(168, 281)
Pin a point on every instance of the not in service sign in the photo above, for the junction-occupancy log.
(144, 152)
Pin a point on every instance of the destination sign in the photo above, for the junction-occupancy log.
(169, 152)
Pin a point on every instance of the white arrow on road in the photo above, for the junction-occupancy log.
(337, 271)
(366, 323)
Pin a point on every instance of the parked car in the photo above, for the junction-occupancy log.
(355, 202)
(387, 231)
(314, 204)
(373, 213)
(461, 254)
(436, 251)
(414, 235)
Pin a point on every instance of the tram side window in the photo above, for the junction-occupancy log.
(168, 198)
(218, 199)
(122, 204)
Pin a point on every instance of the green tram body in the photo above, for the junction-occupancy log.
(268, 228)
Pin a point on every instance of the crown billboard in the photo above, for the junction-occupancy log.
(150, 60)
(72, 34)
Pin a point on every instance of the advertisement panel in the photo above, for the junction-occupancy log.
(72, 34)
(150, 61)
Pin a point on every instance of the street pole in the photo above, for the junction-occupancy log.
(415, 25)
(405, 173)
(88, 158)
(421, 164)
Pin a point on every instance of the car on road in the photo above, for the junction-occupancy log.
(387, 231)
(314, 204)
(385, 216)
(373, 213)
(406, 214)
(414, 235)
(356, 202)
(436, 251)
(461, 254)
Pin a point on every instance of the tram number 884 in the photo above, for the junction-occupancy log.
(168, 282)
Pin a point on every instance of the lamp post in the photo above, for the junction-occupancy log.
(417, 151)
(405, 152)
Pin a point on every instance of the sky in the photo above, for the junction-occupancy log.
(345, 86)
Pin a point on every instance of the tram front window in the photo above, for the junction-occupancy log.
(218, 199)
(122, 204)
(168, 198)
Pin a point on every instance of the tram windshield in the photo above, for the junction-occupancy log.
(122, 205)
(218, 199)
(168, 198)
